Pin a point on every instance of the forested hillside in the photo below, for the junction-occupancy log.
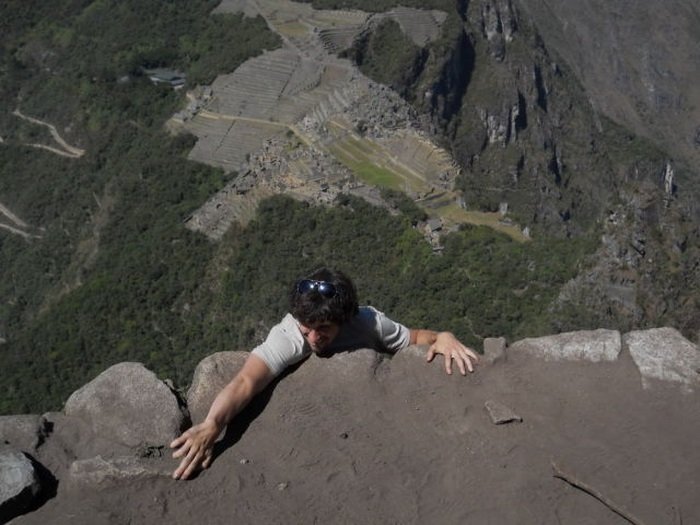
(109, 256)
(105, 270)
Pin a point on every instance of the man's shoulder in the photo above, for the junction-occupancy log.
(372, 328)
(367, 312)
(367, 317)
(284, 345)
(285, 330)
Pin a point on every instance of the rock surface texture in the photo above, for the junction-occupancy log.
(639, 74)
(19, 483)
(127, 403)
(362, 437)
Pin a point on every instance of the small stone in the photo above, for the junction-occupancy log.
(282, 486)
(344, 435)
(244, 461)
(500, 413)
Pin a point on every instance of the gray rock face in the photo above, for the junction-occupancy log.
(19, 484)
(128, 404)
(596, 345)
(632, 57)
(211, 375)
(334, 397)
(353, 364)
(494, 349)
(664, 354)
(24, 432)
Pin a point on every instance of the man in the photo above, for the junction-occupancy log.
(324, 318)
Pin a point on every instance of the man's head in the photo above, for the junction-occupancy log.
(321, 303)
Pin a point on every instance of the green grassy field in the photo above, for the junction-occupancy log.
(374, 165)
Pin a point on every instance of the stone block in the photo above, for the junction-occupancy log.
(584, 345)
(129, 405)
(664, 354)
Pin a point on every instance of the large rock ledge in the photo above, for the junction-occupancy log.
(115, 430)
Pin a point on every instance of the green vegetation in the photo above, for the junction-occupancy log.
(388, 56)
(374, 175)
(116, 275)
(484, 283)
(371, 162)
(114, 263)
(405, 205)
(155, 294)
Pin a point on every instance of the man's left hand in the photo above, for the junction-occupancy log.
(450, 347)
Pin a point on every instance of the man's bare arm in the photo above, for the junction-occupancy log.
(196, 445)
(448, 345)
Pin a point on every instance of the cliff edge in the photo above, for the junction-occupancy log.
(363, 437)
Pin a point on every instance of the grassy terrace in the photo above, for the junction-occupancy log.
(452, 214)
(373, 164)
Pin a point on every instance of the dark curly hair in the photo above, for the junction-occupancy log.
(312, 307)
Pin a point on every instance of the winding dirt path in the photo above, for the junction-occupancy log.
(69, 151)
(17, 226)
(7, 213)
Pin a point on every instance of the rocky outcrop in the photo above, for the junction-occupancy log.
(633, 64)
(663, 354)
(648, 248)
(115, 430)
(128, 404)
(210, 376)
(112, 430)
(99, 472)
(19, 483)
(498, 25)
(534, 141)
(598, 345)
(24, 431)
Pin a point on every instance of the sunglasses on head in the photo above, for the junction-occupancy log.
(327, 290)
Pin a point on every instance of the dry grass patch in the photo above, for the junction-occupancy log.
(453, 214)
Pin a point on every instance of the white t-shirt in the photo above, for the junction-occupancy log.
(370, 328)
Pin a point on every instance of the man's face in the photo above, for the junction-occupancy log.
(319, 335)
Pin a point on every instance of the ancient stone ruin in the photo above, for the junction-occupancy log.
(299, 119)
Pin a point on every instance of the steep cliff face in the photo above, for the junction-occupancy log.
(637, 61)
(645, 269)
(516, 121)
(560, 117)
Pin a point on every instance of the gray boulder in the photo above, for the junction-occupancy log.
(129, 405)
(19, 483)
(664, 354)
(24, 432)
(211, 375)
(593, 345)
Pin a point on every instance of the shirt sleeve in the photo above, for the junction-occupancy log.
(394, 336)
(283, 347)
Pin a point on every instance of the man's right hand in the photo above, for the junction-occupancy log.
(195, 447)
